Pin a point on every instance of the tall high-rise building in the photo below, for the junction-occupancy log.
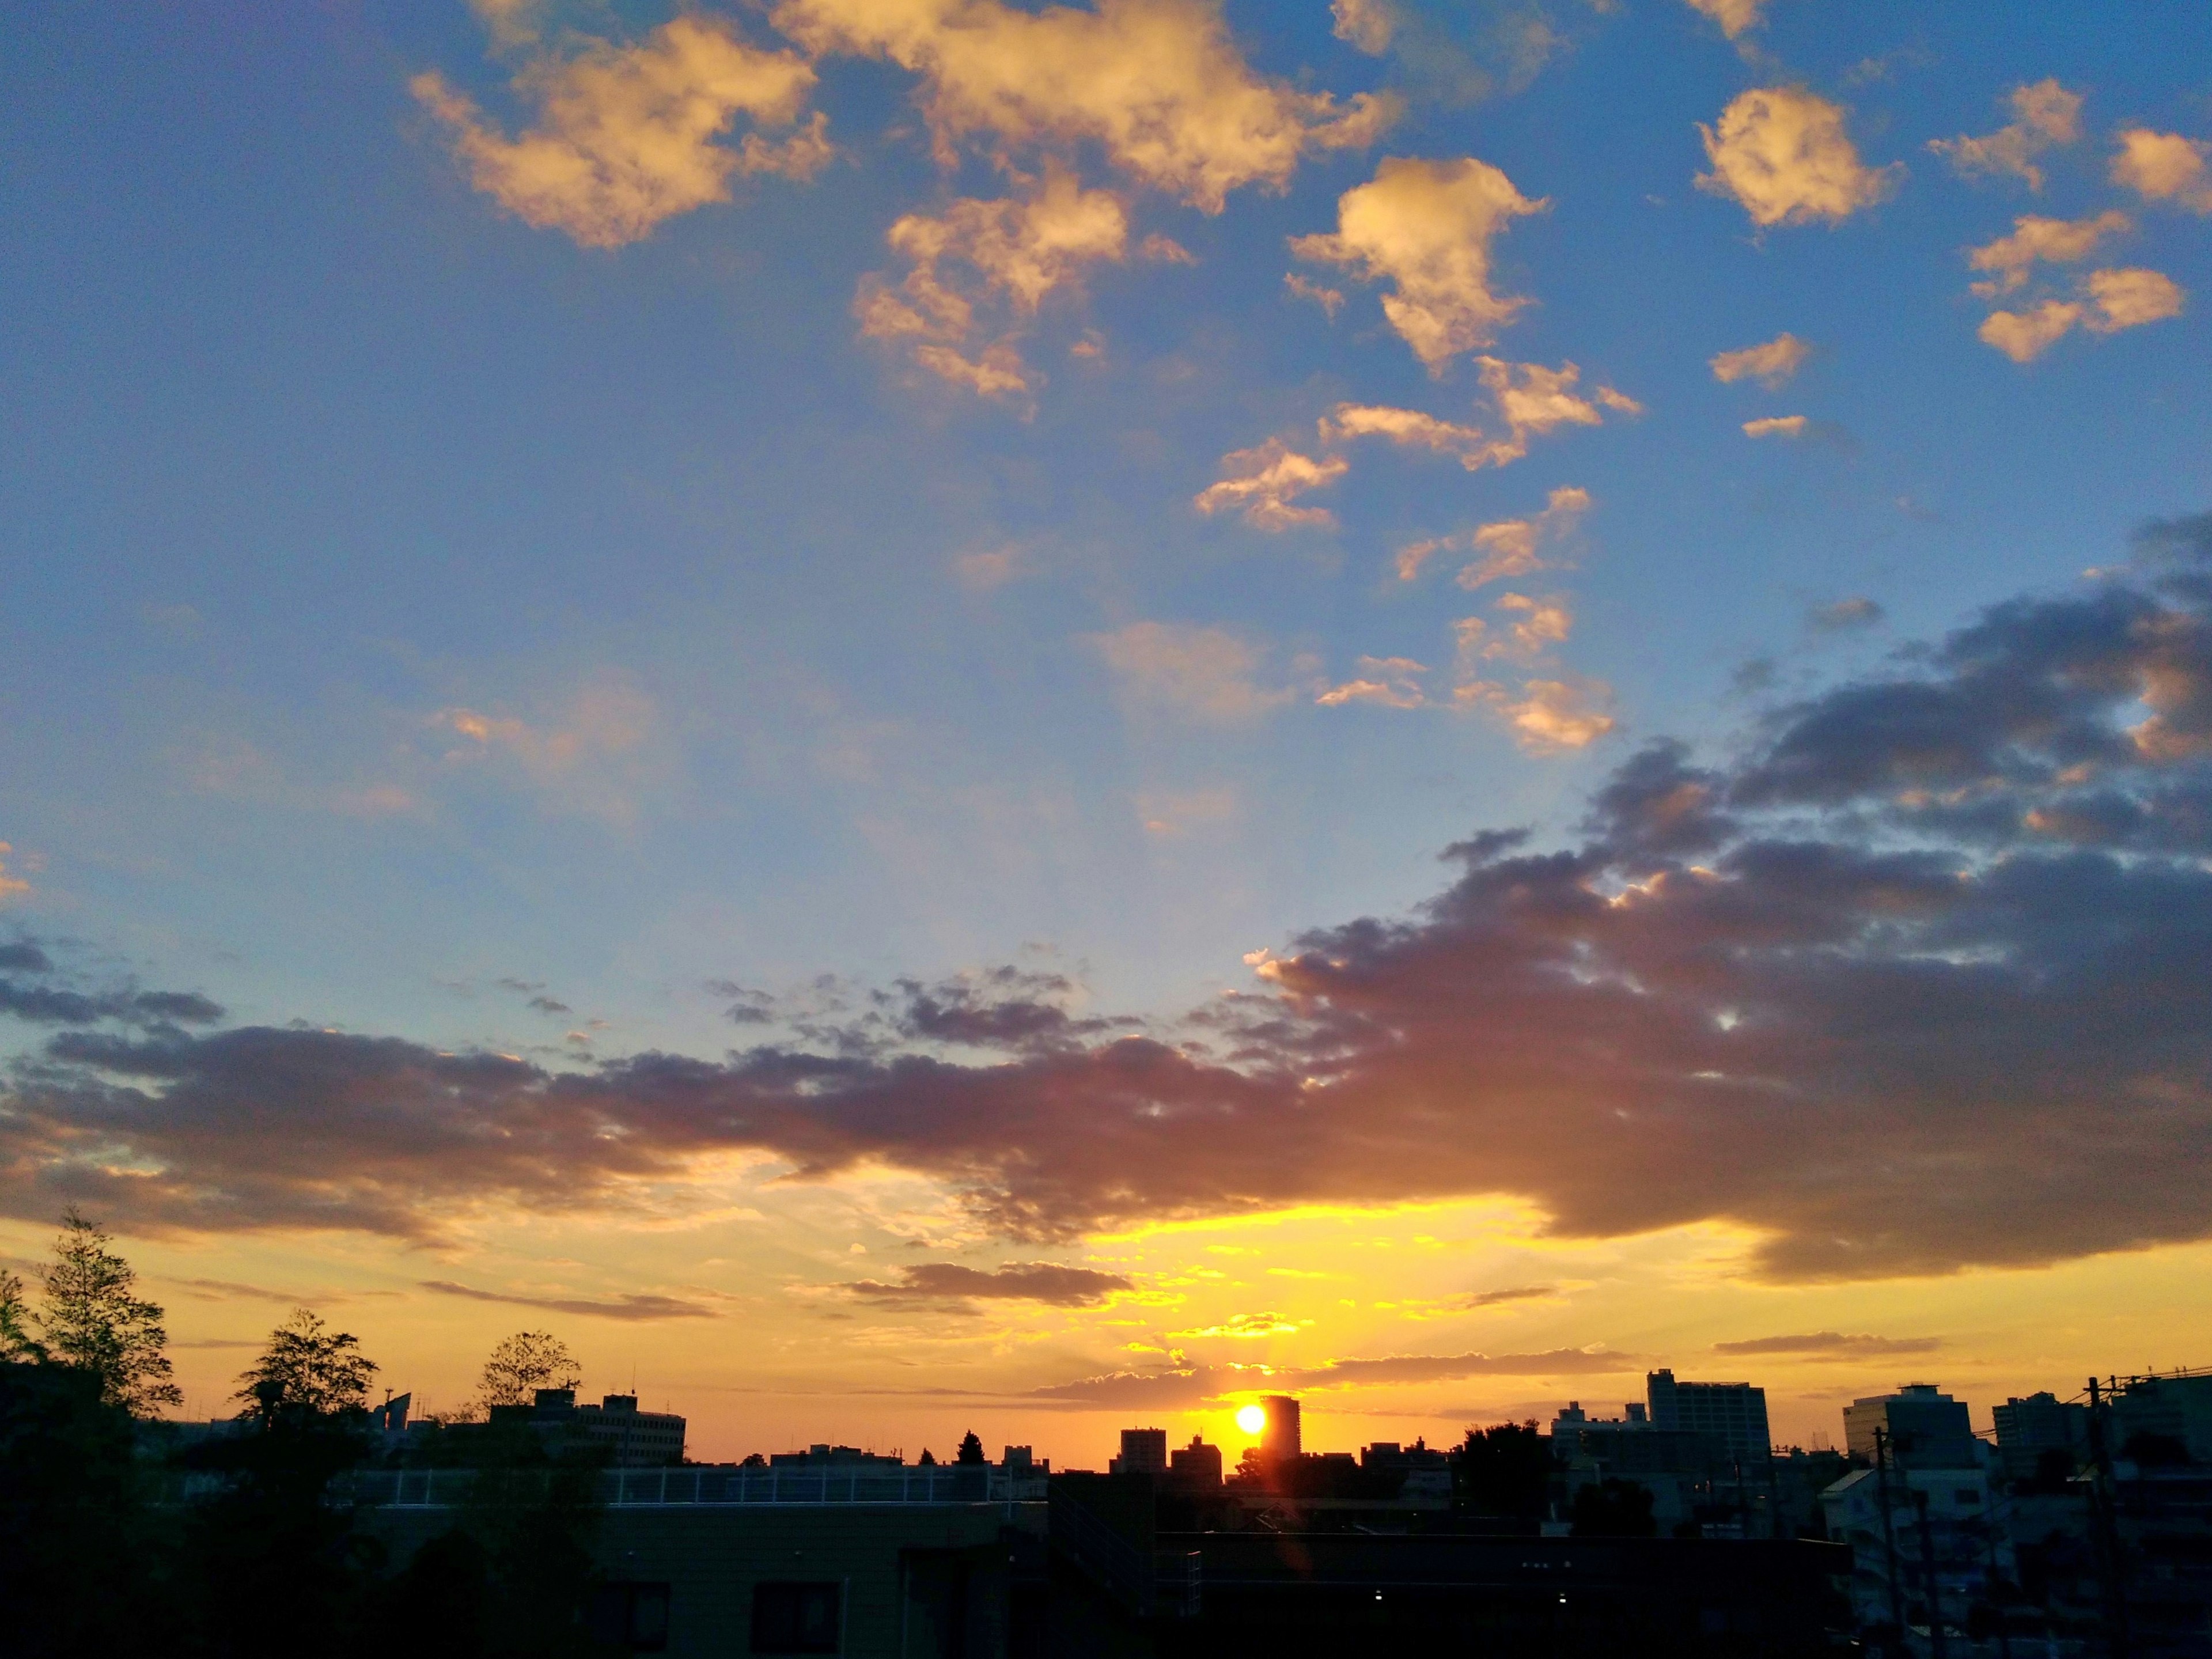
(1278, 1435)
(2041, 1423)
(1731, 1415)
(1144, 1451)
(1925, 1428)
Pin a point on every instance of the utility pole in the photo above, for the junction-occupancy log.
(2004, 1630)
(2107, 1535)
(1927, 1573)
(1889, 1529)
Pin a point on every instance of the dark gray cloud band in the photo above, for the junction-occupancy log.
(1914, 980)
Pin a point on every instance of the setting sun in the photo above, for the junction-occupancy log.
(1251, 1418)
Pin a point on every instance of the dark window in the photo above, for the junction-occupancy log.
(631, 1617)
(794, 1619)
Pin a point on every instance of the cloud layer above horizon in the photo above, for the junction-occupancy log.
(1909, 984)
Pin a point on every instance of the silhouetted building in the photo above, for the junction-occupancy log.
(1925, 1428)
(1943, 1515)
(1144, 1451)
(2041, 1423)
(1196, 1465)
(1279, 1434)
(1732, 1415)
(824, 1456)
(631, 1438)
(2176, 1408)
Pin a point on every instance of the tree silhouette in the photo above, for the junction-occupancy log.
(1614, 1509)
(971, 1448)
(1504, 1470)
(307, 1367)
(93, 1320)
(524, 1362)
(16, 1341)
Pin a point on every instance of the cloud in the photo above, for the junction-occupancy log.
(2024, 335)
(594, 756)
(1330, 300)
(22, 956)
(2044, 114)
(2165, 166)
(1782, 153)
(1437, 1368)
(1832, 1344)
(1530, 399)
(1735, 17)
(1159, 85)
(1547, 716)
(1261, 483)
(2130, 298)
(626, 136)
(2112, 300)
(1389, 682)
(1778, 425)
(55, 1005)
(1955, 908)
(1247, 1326)
(1507, 547)
(1839, 614)
(1021, 1281)
(1366, 24)
(10, 885)
(1517, 1293)
(629, 1307)
(1203, 673)
(2056, 241)
(1425, 229)
(986, 267)
(1772, 364)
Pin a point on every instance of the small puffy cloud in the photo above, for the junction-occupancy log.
(984, 268)
(1735, 17)
(627, 136)
(1159, 85)
(2165, 166)
(1542, 623)
(1389, 682)
(2130, 298)
(1841, 614)
(1772, 364)
(1530, 399)
(1017, 1281)
(1778, 425)
(1204, 673)
(1547, 716)
(1506, 547)
(2112, 300)
(1366, 24)
(1261, 482)
(1330, 300)
(1782, 153)
(593, 758)
(2024, 335)
(2052, 241)
(2045, 115)
(1425, 228)
(10, 885)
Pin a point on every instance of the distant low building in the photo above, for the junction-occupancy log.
(1732, 1415)
(1196, 1465)
(1923, 1426)
(1144, 1451)
(2176, 1408)
(2029, 1428)
(1946, 1516)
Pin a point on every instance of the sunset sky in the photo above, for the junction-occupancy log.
(936, 714)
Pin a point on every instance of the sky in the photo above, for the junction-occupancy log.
(926, 715)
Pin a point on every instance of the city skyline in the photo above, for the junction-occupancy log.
(950, 713)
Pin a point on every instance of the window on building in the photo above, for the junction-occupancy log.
(629, 1618)
(795, 1618)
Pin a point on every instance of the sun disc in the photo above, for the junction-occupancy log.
(1251, 1418)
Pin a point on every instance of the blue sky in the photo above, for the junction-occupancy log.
(403, 598)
